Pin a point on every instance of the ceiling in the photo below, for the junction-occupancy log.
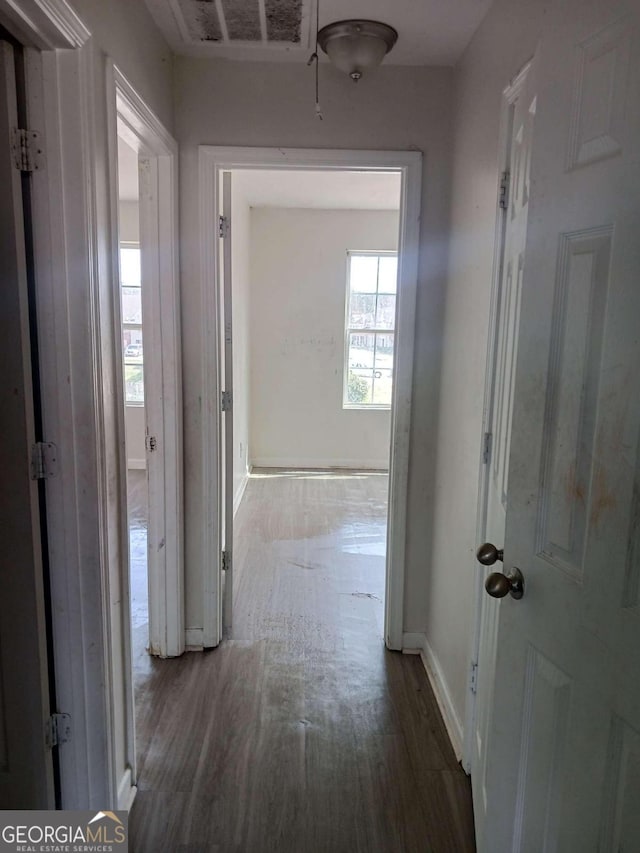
(322, 190)
(430, 32)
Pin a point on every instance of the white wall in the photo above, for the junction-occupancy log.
(135, 426)
(298, 290)
(125, 31)
(271, 104)
(129, 212)
(501, 46)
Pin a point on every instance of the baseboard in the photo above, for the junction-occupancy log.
(240, 494)
(417, 643)
(193, 640)
(126, 791)
(443, 698)
(137, 464)
(296, 463)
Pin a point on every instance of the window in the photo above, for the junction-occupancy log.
(130, 281)
(370, 329)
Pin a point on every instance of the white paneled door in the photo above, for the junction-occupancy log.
(563, 763)
(26, 775)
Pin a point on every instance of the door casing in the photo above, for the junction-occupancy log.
(130, 118)
(60, 60)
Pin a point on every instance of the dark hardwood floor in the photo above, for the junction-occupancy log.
(301, 733)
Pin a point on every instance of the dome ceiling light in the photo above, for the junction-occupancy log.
(355, 46)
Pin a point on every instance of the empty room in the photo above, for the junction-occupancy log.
(314, 277)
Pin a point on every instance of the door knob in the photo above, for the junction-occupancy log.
(488, 554)
(498, 585)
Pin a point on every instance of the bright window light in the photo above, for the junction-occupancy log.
(370, 329)
(131, 296)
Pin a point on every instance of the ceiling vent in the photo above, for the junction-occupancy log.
(241, 22)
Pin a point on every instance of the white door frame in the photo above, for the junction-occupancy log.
(212, 162)
(130, 118)
(68, 92)
(61, 62)
(26, 768)
(509, 97)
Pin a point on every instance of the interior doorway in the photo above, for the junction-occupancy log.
(312, 310)
(350, 348)
(147, 328)
(132, 321)
(146, 309)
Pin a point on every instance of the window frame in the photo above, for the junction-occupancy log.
(349, 330)
(131, 244)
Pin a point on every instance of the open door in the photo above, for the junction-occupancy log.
(518, 120)
(155, 315)
(227, 406)
(564, 732)
(26, 774)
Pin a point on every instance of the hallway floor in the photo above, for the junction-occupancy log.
(301, 733)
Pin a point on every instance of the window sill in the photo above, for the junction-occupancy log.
(134, 404)
(367, 407)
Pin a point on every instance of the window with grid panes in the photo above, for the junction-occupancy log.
(131, 296)
(370, 329)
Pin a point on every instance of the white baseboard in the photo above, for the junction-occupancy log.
(296, 463)
(126, 791)
(137, 464)
(240, 494)
(193, 640)
(416, 643)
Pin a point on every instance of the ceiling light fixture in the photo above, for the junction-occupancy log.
(356, 46)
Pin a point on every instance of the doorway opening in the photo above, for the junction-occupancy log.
(316, 379)
(311, 258)
(132, 323)
(143, 169)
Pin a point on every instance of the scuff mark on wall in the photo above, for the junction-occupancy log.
(631, 595)
(603, 498)
(573, 487)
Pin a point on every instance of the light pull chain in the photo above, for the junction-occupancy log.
(314, 58)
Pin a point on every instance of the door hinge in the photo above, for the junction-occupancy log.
(226, 560)
(503, 191)
(473, 677)
(223, 226)
(57, 730)
(227, 401)
(44, 460)
(151, 443)
(28, 154)
(487, 444)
